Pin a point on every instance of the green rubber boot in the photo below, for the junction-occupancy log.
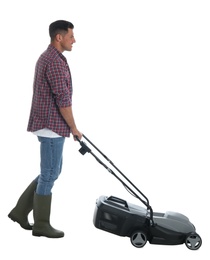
(42, 208)
(24, 206)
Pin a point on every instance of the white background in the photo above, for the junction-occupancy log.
(141, 93)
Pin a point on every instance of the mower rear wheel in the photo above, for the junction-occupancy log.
(138, 239)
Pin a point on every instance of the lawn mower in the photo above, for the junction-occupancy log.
(140, 224)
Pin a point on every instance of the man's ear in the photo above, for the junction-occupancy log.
(58, 37)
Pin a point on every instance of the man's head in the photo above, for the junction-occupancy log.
(61, 35)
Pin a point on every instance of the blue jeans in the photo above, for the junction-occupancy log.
(51, 156)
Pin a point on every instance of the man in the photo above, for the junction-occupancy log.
(51, 119)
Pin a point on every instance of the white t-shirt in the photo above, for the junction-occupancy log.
(45, 132)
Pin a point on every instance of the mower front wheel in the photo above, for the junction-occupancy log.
(193, 241)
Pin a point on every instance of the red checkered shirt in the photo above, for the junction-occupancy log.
(52, 89)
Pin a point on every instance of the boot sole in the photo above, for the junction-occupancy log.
(43, 235)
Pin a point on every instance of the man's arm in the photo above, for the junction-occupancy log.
(67, 114)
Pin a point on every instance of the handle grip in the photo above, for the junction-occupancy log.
(77, 138)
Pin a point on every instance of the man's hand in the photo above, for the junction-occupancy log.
(76, 133)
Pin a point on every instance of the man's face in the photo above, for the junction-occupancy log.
(67, 40)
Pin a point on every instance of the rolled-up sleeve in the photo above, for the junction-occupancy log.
(59, 79)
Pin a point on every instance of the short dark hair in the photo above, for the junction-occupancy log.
(59, 26)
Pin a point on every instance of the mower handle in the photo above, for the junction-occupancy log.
(84, 149)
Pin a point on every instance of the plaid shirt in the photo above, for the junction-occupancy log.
(52, 89)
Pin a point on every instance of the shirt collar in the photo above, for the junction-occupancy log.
(56, 51)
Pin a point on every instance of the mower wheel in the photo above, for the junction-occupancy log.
(138, 239)
(193, 241)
